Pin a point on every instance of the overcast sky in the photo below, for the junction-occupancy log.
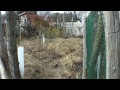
(58, 11)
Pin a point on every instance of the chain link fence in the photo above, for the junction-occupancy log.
(95, 43)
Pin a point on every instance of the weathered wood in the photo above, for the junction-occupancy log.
(3, 72)
(84, 52)
(11, 44)
(112, 36)
(3, 53)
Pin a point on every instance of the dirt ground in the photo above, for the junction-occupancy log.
(56, 59)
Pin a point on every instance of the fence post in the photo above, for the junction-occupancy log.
(112, 37)
(84, 52)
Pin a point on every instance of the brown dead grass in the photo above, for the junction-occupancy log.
(56, 59)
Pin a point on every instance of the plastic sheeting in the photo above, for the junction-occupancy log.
(21, 60)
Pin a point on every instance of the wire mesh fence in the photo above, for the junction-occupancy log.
(95, 44)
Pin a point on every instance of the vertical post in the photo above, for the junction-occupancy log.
(57, 23)
(112, 36)
(72, 28)
(64, 24)
(63, 20)
(21, 60)
(43, 37)
(20, 33)
(20, 53)
(84, 52)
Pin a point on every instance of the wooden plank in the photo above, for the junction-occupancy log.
(112, 35)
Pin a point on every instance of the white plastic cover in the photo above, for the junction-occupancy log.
(21, 60)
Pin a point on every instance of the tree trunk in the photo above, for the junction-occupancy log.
(2, 66)
(3, 54)
(11, 45)
(112, 35)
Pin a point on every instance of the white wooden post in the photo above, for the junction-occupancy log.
(43, 38)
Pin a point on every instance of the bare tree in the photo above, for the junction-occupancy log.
(79, 15)
(4, 68)
(3, 72)
(11, 44)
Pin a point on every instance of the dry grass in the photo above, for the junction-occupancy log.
(56, 59)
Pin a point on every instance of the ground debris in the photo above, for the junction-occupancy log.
(56, 59)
